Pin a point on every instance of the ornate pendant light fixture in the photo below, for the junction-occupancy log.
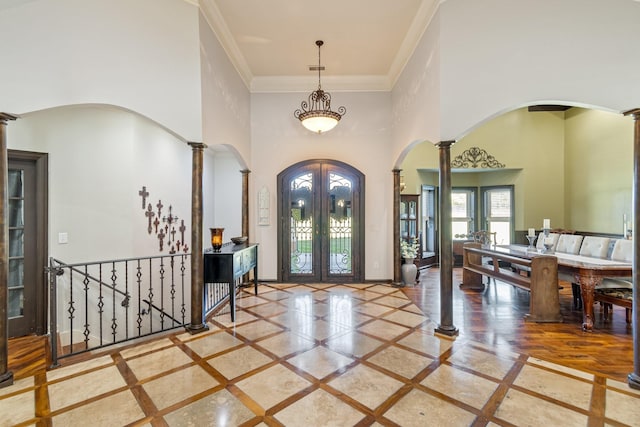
(315, 114)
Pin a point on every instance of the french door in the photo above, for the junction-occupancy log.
(27, 223)
(321, 224)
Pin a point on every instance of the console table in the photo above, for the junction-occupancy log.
(223, 270)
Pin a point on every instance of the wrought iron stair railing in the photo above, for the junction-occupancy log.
(97, 304)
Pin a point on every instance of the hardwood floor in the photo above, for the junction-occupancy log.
(28, 355)
(496, 317)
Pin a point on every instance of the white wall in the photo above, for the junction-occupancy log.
(227, 201)
(480, 59)
(497, 55)
(416, 95)
(141, 55)
(225, 99)
(99, 158)
(361, 139)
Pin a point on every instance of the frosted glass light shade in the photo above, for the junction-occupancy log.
(320, 123)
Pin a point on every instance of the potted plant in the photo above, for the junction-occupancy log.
(409, 251)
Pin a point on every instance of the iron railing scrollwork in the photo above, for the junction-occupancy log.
(110, 302)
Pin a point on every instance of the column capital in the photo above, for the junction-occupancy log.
(396, 171)
(445, 144)
(245, 171)
(4, 117)
(634, 112)
(197, 145)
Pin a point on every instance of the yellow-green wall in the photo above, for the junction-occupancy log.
(560, 164)
(598, 170)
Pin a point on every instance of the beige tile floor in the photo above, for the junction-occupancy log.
(330, 355)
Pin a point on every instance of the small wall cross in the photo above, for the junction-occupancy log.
(144, 194)
(149, 214)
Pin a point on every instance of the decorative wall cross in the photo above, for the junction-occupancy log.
(167, 233)
(182, 228)
(159, 206)
(144, 194)
(149, 214)
(161, 237)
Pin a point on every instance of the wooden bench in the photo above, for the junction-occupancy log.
(544, 305)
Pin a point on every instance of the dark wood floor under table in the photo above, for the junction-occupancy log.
(495, 317)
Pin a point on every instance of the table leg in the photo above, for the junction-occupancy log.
(232, 299)
(587, 289)
(255, 280)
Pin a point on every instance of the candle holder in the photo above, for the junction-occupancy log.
(531, 240)
(547, 242)
(216, 238)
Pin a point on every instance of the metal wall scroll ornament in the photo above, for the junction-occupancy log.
(476, 157)
(166, 234)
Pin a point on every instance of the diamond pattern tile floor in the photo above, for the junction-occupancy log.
(326, 355)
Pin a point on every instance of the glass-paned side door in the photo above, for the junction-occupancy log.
(463, 208)
(498, 212)
(340, 225)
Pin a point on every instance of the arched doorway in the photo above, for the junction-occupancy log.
(321, 223)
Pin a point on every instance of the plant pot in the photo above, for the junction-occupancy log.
(409, 272)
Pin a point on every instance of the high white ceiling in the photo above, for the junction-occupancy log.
(272, 42)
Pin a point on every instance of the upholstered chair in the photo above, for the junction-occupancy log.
(594, 246)
(569, 243)
(622, 250)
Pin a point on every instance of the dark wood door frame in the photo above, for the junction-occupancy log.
(38, 324)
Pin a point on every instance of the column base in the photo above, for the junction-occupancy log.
(450, 331)
(6, 379)
(397, 284)
(634, 381)
(196, 329)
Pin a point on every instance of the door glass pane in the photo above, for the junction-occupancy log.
(16, 242)
(15, 183)
(16, 302)
(16, 272)
(301, 220)
(340, 224)
(16, 213)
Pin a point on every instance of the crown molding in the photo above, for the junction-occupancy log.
(418, 26)
(359, 83)
(329, 83)
(218, 25)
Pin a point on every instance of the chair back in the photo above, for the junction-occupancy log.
(569, 243)
(622, 250)
(554, 239)
(594, 246)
